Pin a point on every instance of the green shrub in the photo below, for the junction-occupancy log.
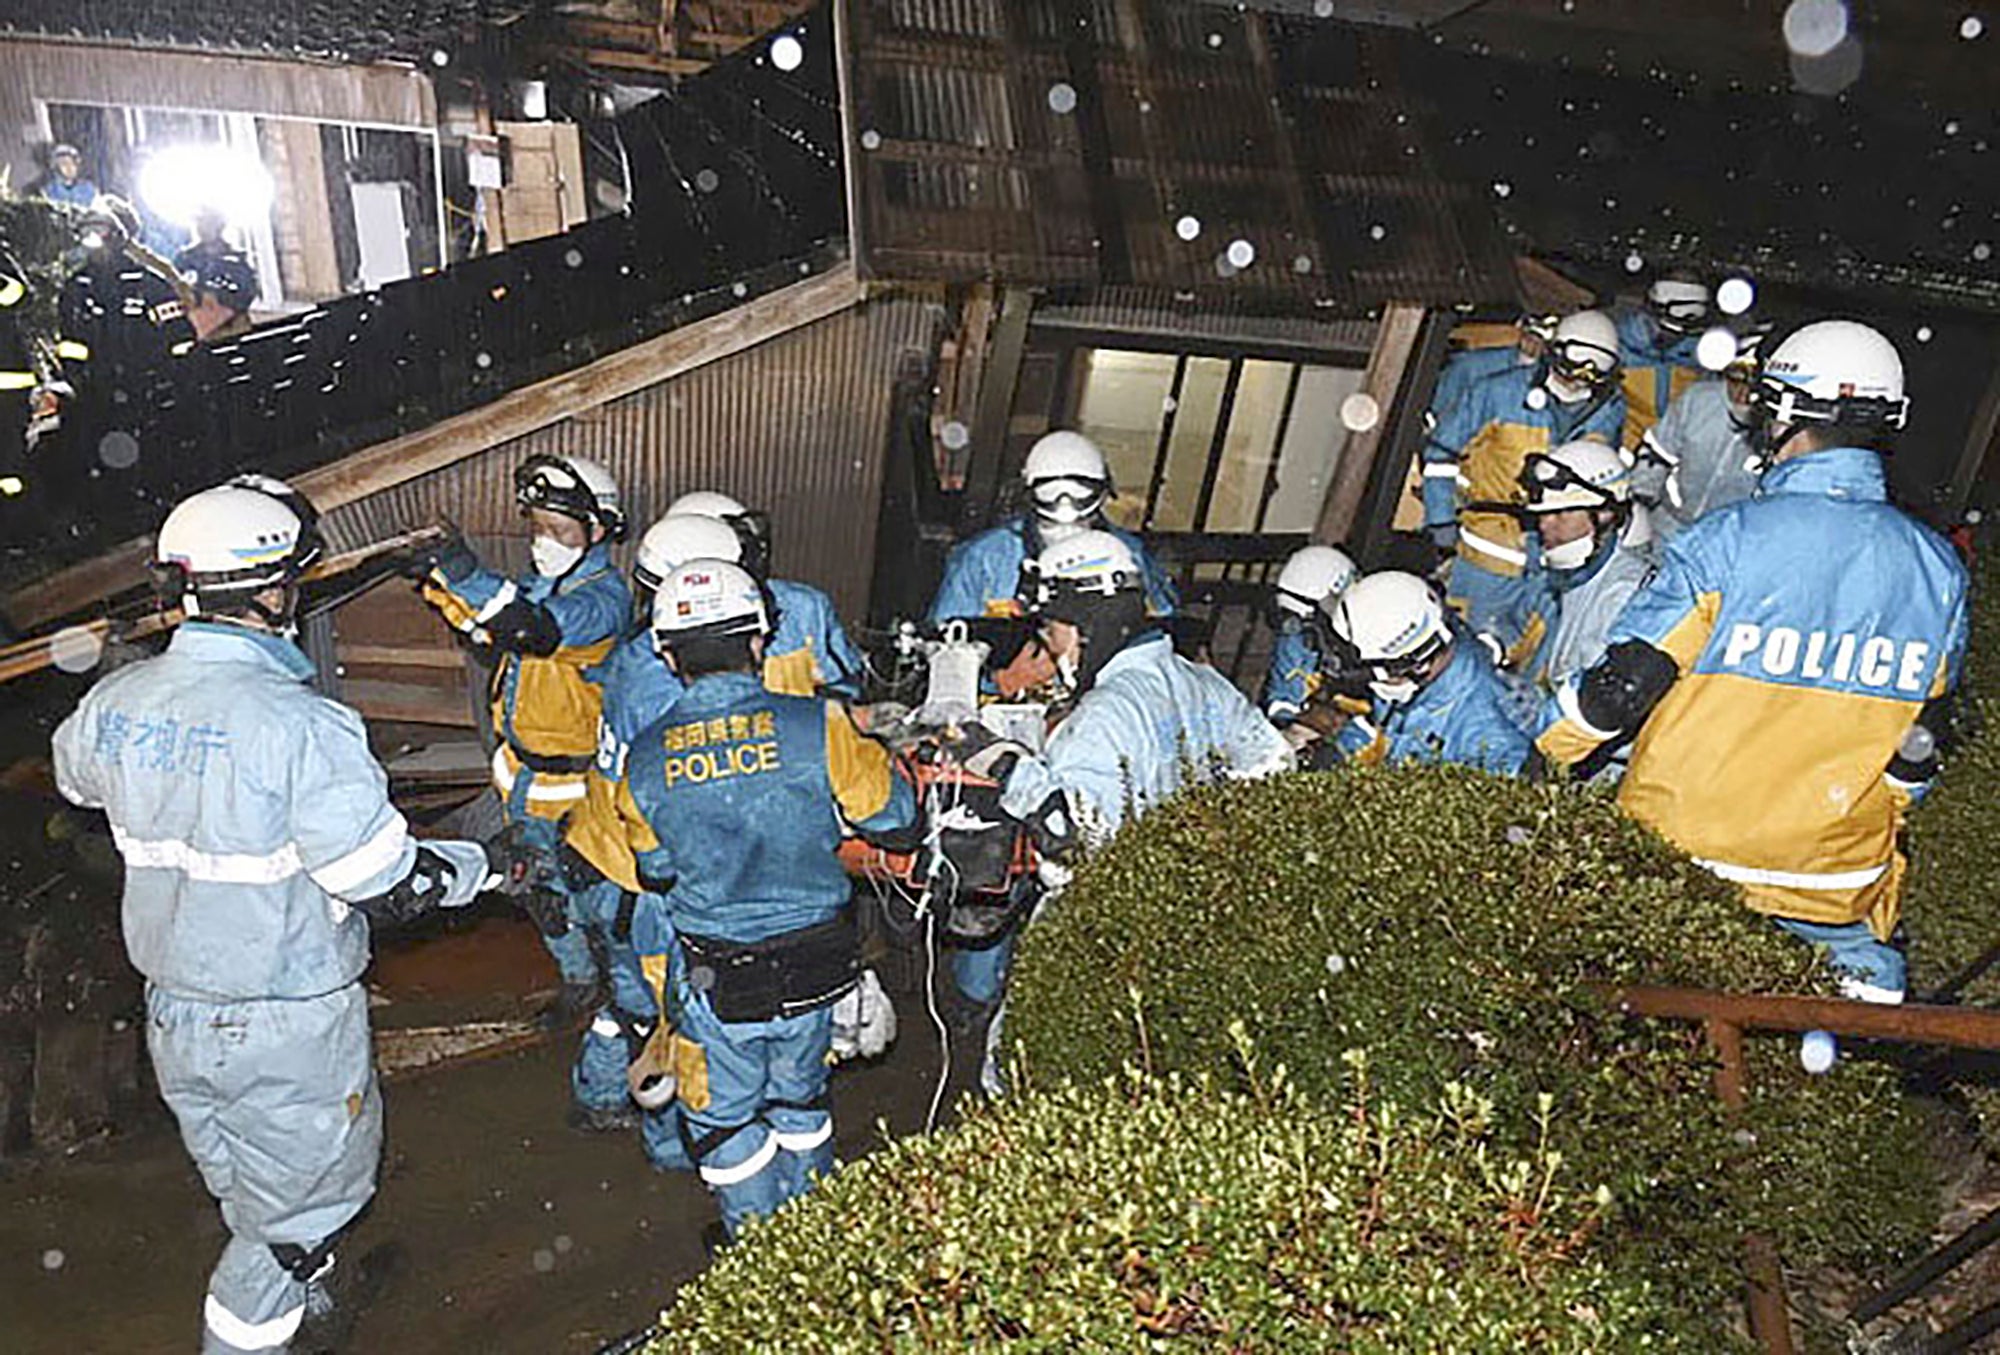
(1143, 1213)
(1453, 925)
(1952, 904)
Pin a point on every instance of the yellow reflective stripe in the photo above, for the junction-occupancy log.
(12, 289)
(857, 766)
(69, 350)
(17, 381)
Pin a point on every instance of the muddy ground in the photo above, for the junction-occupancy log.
(515, 1233)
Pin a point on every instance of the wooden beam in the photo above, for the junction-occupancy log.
(442, 656)
(515, 414)
(412, 703)
(1394, 343)
(850, 134)
(640, 61)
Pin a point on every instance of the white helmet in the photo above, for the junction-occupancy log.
(751, 526)
(1581, 474)
(707, 598)
(1067, 478)
(1390, 625)
(574, 486)
(1313, 574)
(707, 503)
(1678, 305)
(1583, 351)
(220, 547)
(1090, 563)
(678, 538)
(1832, 371)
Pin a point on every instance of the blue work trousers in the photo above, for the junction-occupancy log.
(621, 1026)
(1870, 970)
(279, 1109)
(767, 1128)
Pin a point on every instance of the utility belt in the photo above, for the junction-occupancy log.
(546, 764)
(785, 975)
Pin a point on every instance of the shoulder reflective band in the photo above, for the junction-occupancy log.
(1474, 541)
(16, 381)
(69, 350)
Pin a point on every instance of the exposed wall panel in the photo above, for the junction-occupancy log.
(32, 73)
(797, 426)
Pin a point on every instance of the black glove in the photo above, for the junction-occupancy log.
(528, 873)
(1004, 637)
(577, 872)
(449, 555)
(982, 752)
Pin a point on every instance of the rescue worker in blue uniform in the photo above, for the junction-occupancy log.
(1435, 695)
(735, 803)
(1469, 363)
(66, 184)
(1596, 548)
(1472, 468)
(1068, 483)
(544, 631)
(1698, 457)
(1145, 720)
(259, 845)
(1656, 350)
(809, 650)
(1311, 576)
(1787, 655)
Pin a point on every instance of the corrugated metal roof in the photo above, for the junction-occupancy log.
(797, 426)
(1170, 144)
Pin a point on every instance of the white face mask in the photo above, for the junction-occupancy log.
(1055, 533)
(552, 558)
(1570, 554)
(1395, 693)
(1567, 392)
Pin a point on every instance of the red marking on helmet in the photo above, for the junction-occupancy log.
(697, 580)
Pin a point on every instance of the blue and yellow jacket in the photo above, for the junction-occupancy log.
(982, 576)
(1657, 367)
(1465, 368)
(738, 797)
(1462, 717)
(1292, 678)
(544, 710)
(639, 688)
(1809, 626)
(1476, 452)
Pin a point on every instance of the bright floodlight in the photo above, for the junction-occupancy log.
(1716, 349)
(787, 52)
(1735, 296)
(1241, 253)
(1814, 28)
(178, 182)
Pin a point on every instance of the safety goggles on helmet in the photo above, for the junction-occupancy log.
(1682, 315)
(1068, 498)
(1582, 363)
(1407, 667)
(1772, 400)
(1553, 487)
(553, 485)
